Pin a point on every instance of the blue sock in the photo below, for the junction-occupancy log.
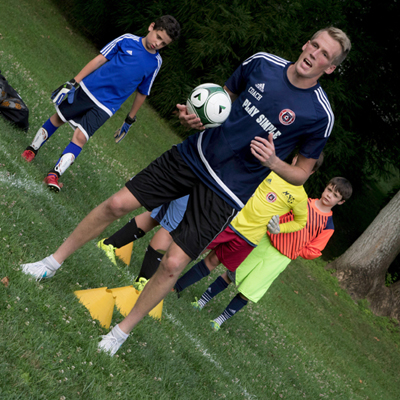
(215, 288)
(234, 306)
(50, 128)
(42, 136)
(72, 148)
(196, 273)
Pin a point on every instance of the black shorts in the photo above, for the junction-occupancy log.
(83, 113)
(168, 178)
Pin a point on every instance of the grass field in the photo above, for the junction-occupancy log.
(305, 339)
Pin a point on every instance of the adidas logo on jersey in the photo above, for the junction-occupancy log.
(260, 87)
(129, 52)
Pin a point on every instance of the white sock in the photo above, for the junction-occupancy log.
(54, 264)
(119, 334)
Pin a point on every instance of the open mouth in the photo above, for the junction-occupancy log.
(307, 62)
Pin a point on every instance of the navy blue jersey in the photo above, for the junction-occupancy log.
(130, 67)
(267, 103)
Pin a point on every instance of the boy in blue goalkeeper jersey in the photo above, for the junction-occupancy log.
(126, 64)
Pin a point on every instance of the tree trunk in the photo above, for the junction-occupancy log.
(361, 270)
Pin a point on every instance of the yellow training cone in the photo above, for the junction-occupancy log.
(125, 252)
(100, 303)
(126, 297)
(156, 312)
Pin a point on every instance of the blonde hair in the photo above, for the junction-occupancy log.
(339, 36)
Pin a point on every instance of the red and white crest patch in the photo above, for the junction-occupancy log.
(287, 117)
(271, 197)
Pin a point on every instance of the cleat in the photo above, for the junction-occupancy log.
(140, 284)
(216, 327)
(110, 344)
(28, 155)
(39, 270)
(109, 249)
(196, 305)
(52, 183)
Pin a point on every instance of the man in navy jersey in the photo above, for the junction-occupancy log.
(278, 106)
(127, 63)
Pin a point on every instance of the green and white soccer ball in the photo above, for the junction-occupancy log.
(211, 103)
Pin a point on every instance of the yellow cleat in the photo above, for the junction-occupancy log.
(140, 284)
(109, 250)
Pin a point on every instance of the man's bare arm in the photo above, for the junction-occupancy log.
(264, 151)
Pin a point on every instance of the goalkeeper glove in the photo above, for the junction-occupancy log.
(273, 225)
(67, 89)
(121, 132)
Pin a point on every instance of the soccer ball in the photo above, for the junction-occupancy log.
(211, 103)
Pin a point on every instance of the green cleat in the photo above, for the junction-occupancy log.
(139, 285)
(196, 305)
(216, 327)
(109, 250)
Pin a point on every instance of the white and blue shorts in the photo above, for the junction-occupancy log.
(83, 113)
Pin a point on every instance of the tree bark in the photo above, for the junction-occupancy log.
(361, 270)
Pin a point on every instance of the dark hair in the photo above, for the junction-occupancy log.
(168, 24)
(319, 162)
(341, 185)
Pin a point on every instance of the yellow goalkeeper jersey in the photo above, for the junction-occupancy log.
(274, 196)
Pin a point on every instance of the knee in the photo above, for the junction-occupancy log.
(243, 297)
(120, 204)
(212, 260)
(79, 138)
(172, 265)
(226, 278)
(56, 120)
(115, 206)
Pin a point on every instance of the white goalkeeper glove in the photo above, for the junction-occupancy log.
(67, 89)
(273, 225)
(121, 132)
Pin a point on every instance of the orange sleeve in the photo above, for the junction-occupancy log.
(314, 248)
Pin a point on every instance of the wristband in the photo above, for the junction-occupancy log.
(130, 120)
(74, 83)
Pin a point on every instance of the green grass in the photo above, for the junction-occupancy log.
(305, 339)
